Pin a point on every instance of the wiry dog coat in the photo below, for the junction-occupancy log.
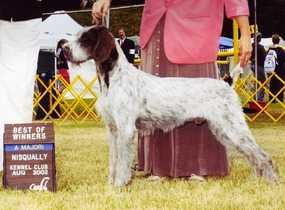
(132, 100)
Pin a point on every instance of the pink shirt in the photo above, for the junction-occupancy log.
(192, 27)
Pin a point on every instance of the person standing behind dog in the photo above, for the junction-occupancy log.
(261, 53)
(19, 48)
(61, 64)
(276, 55)
(180, 39)
(127, 45)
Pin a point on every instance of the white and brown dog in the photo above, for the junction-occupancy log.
(131, 100)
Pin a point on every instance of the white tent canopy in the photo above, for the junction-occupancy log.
(56, 27)
(61, 23)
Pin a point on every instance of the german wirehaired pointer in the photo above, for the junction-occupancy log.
(131, 100)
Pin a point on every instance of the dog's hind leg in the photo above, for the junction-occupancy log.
(234, 132)
(125, 140)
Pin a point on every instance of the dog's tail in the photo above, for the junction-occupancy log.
(234, 75)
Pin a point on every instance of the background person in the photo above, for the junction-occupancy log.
(275, 83)
(61, 64)
(261, 53)
(19, 48)
(180, 38)
(127, 45)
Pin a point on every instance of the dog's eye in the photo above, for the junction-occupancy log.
(84, 40)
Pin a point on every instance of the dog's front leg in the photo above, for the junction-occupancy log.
(123, 171)
(112, 136)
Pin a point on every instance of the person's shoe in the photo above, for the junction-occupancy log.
(154, 178)
(199, 121)
(195, 177)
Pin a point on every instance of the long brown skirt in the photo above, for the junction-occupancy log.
(189, 149)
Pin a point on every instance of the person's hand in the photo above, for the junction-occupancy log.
(245, 47)
(100, 10)
(245, 50)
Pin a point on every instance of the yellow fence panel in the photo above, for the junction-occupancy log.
(272, 108)
(56, 99)
(59, 101)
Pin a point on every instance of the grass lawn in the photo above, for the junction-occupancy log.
(82, 169)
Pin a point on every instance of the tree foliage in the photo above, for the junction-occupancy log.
(270, 19)
(129, 19)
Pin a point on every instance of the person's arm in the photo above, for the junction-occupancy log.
(99, 10)
(245, 47)
(238, 10)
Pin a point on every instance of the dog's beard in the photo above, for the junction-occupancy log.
(78, 62)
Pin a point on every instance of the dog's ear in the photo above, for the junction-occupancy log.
(103, 43)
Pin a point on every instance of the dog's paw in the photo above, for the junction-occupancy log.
(111, 180)
(121, 182)
(121, 179)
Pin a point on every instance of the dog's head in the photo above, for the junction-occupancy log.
(95, 42)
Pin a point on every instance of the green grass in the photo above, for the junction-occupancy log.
(82, 169)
